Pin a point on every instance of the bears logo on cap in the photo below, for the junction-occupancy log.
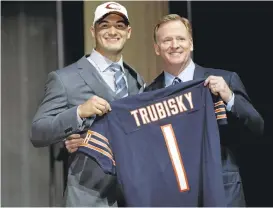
(112, 6)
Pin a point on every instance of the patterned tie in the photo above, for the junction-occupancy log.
(121, 87)
(176, 81)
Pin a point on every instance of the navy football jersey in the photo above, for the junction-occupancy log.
(163, 145)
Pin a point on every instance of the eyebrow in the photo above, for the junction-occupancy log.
(105, 21)
(126, 23)
(102, 21)
(179, 36)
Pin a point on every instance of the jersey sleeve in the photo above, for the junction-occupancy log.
(97, 146)
(213, 189)
(220, 110)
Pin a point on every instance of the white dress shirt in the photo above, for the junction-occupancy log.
(187, 75)
(103, 66)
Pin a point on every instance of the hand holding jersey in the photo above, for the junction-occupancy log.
(94, 106)
(218, 86)
(72, 143)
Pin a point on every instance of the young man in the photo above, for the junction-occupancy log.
(173, 43)
(78, 93)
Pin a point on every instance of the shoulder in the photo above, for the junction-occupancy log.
(226, 74)
(157, 83)
(134, 73)
(232, 78)
(67, 70)
(66, 73)
(215, 71)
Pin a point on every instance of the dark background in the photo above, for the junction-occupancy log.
(238, 36)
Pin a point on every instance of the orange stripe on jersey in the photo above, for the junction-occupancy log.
(221, 116)
(101, 144)
(99, 136)
(220, 110)
(87, 137)
(94, 140)
(219, 103)
(100, 151)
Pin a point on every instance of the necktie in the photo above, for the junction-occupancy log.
(176, 81)
(121, 87)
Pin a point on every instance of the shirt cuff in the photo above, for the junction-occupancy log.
(80, 121)
(230, 103)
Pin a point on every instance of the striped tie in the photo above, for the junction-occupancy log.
(121, 87)
(176, 81)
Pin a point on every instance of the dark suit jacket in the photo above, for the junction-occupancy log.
(243, 120)
(56, 118)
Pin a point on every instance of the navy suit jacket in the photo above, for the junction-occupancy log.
(243, 120)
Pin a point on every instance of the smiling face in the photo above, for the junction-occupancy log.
(111, 34)
(173, 43)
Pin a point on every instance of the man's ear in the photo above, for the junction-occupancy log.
(191, 45)
(129, 32)
(92, 30)
(156, 47)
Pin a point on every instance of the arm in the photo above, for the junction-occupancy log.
(88, 185)
(91, 178)
(94, 105)
(242, 109)
(53, 120)
(233, 93)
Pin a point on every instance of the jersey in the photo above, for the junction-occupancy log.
(163, 145)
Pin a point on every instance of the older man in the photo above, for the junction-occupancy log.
(173, 42)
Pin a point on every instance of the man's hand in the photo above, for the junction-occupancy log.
(218, 86)
(94, 106)
(73, 142)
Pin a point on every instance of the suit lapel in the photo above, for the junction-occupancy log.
(90, 75)
(199, 72)
(134, 80)
(159, 81)
(129, 80)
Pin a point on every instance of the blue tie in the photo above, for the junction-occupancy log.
(176, 81)
(121, 87)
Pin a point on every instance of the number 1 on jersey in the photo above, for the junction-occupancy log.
(175, 156)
